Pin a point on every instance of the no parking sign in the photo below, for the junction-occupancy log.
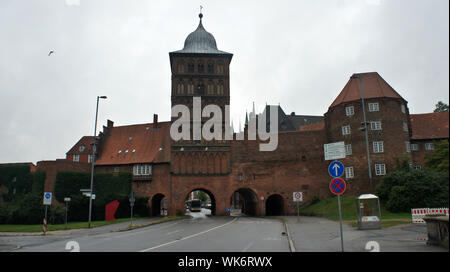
(297, 196)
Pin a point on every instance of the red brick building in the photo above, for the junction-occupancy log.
(165, 169)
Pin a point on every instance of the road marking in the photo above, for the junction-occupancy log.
(172, 232)
(188, 237)
(248, 246)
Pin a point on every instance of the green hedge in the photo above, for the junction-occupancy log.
(402, 190)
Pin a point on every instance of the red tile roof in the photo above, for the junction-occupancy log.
(313, 126)
(150, 144)
(84, 141)
(429, 125)
(373, 84)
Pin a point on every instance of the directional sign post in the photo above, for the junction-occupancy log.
(47, 202)
(297, 197)
(132, 200)
(336, 169)
(337, 187)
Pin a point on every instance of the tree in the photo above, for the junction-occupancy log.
(438, 160)
(441, 107)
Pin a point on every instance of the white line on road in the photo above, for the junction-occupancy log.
(172, 232)
(248, 246)
(188, 237)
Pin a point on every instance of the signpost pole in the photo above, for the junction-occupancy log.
(340, 221)
(45, 220)
(67, 203)
(298, 213)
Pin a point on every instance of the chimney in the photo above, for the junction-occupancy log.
(155, 120)
(110, 123)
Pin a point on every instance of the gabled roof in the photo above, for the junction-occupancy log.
(429, 125)
(374, 86)
(143, 143)
(85, 141)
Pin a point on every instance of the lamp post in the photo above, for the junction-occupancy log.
(365, 131)
(93, 161)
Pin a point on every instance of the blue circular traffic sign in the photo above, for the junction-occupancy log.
(47, 195)
(336, 169)
(338, 186)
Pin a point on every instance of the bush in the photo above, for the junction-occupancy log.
(402, 190)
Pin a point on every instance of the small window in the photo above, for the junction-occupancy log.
(376, 125)
(180, 68)
(414, 147)
(429, 146)
(349, 111)
(142, 169)
(417, 167)
(346, 130)
(211, 68)
(82, 148)
(374, 107)
(378, 147)
(405, 127)
(408, 147)
(380, 169)
(190, 67)
(349, 172)
(116, 169)
(348, 150)
(200, 67)
(76, 158)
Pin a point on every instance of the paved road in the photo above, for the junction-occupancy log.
(203, 233)
(199, 234)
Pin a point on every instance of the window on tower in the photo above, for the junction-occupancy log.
(191, 67)
(201, 67)
(211, 68)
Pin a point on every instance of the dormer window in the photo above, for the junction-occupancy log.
(82, 148)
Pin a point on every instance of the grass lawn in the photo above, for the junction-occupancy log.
(70, 225)
(328, 208)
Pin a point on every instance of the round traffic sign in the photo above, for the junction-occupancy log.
(47, 195)
(337, 186)
(336, 169)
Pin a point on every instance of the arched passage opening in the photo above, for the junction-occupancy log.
(274, 205)
(244, 201)
(159, 205)
(206, 199)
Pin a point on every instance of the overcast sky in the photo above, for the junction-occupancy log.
(299, 53)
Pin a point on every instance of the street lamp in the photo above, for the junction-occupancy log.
(364, 128)
(93, 160)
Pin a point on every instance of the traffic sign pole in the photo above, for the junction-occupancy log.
(340, 221)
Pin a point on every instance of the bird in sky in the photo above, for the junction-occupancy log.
(51, 52)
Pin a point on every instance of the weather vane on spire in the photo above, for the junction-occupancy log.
(201, 8)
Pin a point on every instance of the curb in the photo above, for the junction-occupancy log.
(291, 243)
(133, 227)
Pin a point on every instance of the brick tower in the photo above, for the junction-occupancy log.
(200, 71)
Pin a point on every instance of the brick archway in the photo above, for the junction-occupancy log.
(209, 193)
(157, 204)
(275, 205)
(246, 200)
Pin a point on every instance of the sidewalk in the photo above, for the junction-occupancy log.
(315, 234)
(103, 229)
